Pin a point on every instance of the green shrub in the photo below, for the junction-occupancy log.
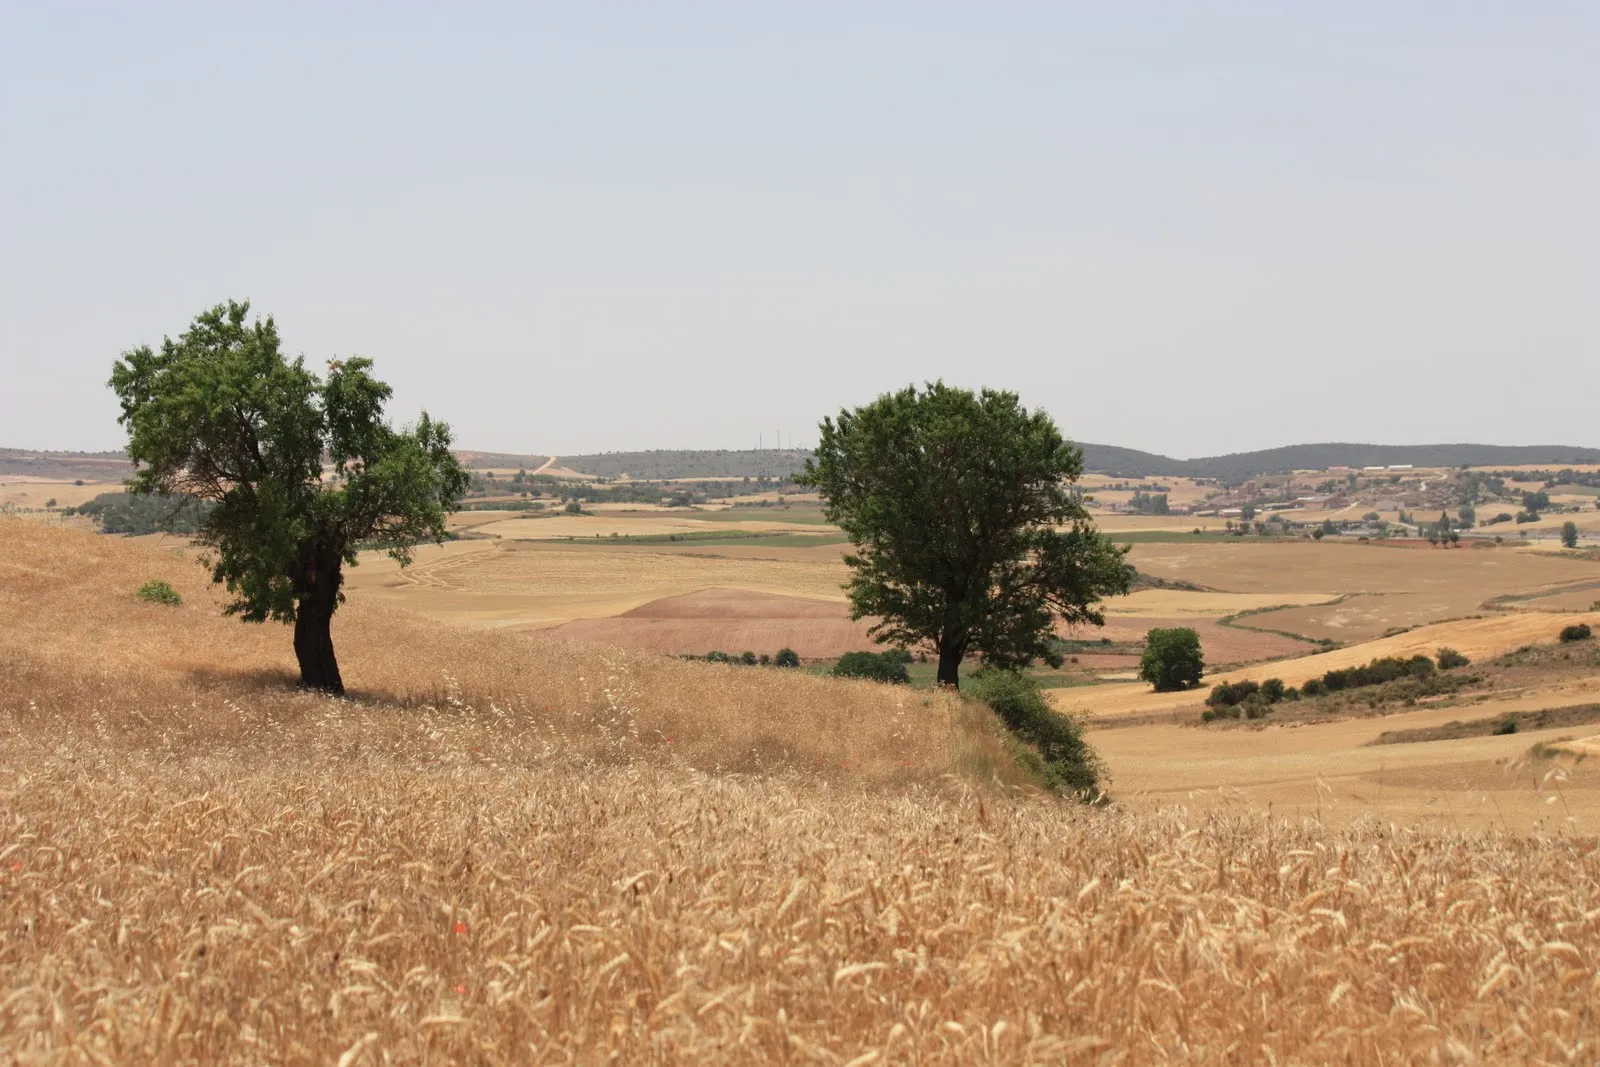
(1066, 762)
(1508, 725)
(787, 657)
(875, 666)
(1449, 659)
(1312, 687)
(718, 656)
(1578, 631)
(159, 592)
(1272, 690)
(1172, 660)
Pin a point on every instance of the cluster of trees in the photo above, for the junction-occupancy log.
(784, 657)
(1246, 699)
(1377, 672)
(134, 513)
(1143, 503)
(889, 666)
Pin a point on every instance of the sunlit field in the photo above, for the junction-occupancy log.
(503, 847)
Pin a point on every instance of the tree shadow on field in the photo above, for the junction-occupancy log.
(244, 680)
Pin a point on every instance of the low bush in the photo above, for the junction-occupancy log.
(874, 666)
(1449, 659)
(1578, 631)
(1064, 761)
(159, 592)
(786, 657)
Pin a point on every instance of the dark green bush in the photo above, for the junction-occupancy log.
(718, 656)
(1578, 631)
(1272, 690)
(787, 657)
(1066, 762)
(159, 592)
(1449, 659)
(875, 666)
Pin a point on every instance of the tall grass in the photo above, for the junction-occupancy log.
(504, 850)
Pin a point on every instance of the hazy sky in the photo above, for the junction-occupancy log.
(1186, 227)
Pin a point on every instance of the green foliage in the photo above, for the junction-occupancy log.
(786, 657)
(573, 507)
(1536, 502)
(1066, 763)
(1569, 535)
(875, 666)
(1508, 725)
(219, 414)
(1377, 672)
(159, 592)
(1371, 516)
(1449, 659)
(1578, 631)
(1142, 503)
(134, 514)
(969, 538)
(1172, 659)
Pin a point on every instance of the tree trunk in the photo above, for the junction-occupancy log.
(319, 581)
(950, 656)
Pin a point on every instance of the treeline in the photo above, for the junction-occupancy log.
(127, 513)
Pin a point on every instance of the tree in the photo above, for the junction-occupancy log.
(876, 666)
(1247, 512)
(222, 416)
(967, 537)
(786, 657)
(1533, 503)
(1569, 534)
(1172, 659)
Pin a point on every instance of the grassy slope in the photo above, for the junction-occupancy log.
(506, 850)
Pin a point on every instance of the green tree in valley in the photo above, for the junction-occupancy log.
(221, 415)
(1172, 660)
(968, 539)
(1569, 534)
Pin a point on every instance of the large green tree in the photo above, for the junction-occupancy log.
(303, 471)
(968, 538)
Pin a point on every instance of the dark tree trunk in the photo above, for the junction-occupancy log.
(320, 577)
(950, 656)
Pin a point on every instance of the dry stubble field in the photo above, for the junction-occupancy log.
(505, 848)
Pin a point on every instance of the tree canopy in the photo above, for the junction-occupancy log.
(1172, 659)
(967, 537)
(302, 471)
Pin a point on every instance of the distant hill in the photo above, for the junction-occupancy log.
(65, 466)
(1130, 463)
(663, 464)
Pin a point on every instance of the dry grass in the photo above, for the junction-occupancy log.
(198, 865)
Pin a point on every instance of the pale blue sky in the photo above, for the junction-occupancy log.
(1187, 227)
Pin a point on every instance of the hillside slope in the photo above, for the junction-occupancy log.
(507, 850)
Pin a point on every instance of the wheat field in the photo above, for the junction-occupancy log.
(504, 849)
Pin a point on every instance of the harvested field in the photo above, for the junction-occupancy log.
(729, 620)
(1476, 638)
(1338, 773)
(507, 849)
(1220, 644)
(1385, 587)
(505, 583)
(1495, 725)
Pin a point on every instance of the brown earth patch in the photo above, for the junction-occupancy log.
(1220, 644)
(729, 620)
